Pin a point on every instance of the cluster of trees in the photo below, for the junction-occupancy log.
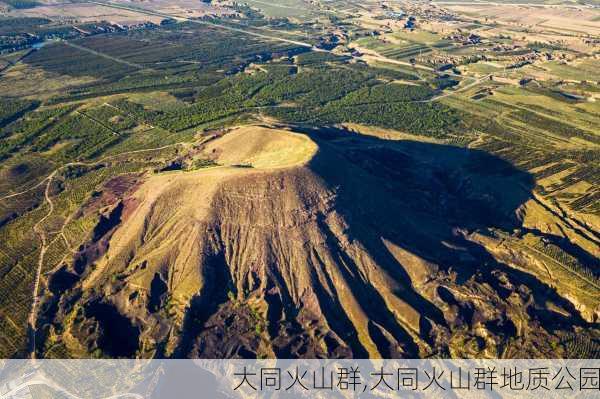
(65, 60)
(407, 52)
(316, 58)
(430, 119)
(11, 110)
(541, 46)
(325, 89)
(109, 116)
(229, 96)
(173, 57)
(444, 82)
(387, 93)
(180, 43)
(138, 111)
(147, 81)
(579, 345)
(86, 139)
(25, 131)
(589, 203)
(315, 86)
(387, 74)
(562, 129)
(565, 259)
(322, 94)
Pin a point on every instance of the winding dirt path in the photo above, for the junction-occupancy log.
(108, 158)
(36, 286)
(38, 229)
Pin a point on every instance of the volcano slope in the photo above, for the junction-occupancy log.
(316, 244)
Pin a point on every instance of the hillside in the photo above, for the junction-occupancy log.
(315, 244)
(299, 179)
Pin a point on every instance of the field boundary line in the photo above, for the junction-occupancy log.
(103, 55)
